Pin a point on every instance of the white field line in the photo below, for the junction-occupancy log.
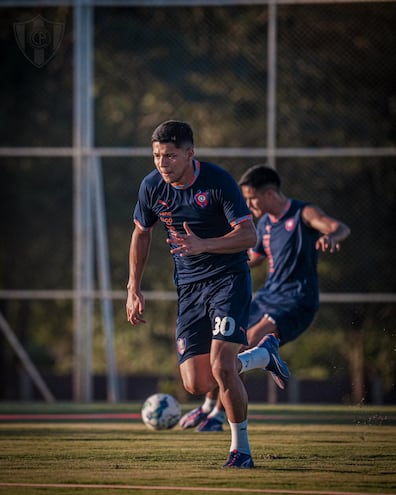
(184, 489)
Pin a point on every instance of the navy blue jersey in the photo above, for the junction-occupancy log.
(211, 206)
(289, 245)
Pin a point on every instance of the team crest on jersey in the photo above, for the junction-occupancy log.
(289, 224)
(202, 198)
(181, 346)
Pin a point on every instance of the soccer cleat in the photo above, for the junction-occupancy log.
(239, 460)
(193, 418)
(210, 424)
(276, 366)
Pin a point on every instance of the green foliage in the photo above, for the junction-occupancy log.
(36, 247)
(150, 347)
(332, 61)
(208, 65)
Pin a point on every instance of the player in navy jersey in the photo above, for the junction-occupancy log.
(209, 229)
(290, 235)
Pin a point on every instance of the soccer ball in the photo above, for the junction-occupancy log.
(161, 412)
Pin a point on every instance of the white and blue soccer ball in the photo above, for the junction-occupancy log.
(161, 412)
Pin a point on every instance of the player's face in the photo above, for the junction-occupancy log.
(174, 164)
(257, 200)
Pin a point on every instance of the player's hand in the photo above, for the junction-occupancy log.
(187, 244)
(135, 307)
(327, 243)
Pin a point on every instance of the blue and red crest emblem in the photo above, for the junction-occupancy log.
(202, 198)
(181, 346)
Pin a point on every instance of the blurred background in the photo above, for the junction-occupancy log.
(308, 88)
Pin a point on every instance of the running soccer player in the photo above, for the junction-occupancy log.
(209, 229)
(290, 235)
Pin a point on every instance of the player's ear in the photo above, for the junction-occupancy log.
(190, 152)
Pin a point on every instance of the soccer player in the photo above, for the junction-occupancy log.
(209, 229)
(290, 235)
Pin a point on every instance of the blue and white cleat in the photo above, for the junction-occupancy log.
(193, 418)
(276, 366)
(210, 424)
(239, 460)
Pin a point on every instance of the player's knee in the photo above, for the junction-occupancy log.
(222, 372)
(196, 387)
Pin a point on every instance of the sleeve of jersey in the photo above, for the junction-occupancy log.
(143, 216)
(234, 205)
(254, 255)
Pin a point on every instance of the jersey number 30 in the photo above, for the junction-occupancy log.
(225, 326)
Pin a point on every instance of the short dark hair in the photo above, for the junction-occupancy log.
(260, 176)
(173, 131)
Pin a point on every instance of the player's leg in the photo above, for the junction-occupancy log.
(266, 356)
(215, 419)
(196, 374)
(233, 396)
(232, 392)
(229, 302)
(263, 340)
(260, 329)
(277, 327)
(200, 414)
(295, 320)
(193, 339)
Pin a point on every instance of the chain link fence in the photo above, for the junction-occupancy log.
(315, 98)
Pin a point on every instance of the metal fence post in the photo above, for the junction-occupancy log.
(82, 143)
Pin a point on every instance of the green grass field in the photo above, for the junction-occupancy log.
(296, 449)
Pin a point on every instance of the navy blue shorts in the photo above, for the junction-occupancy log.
(215, 308)
(291, 315)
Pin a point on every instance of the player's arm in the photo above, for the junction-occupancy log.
(255, 259)
(242, 236)
(138, 254)
(334, 231)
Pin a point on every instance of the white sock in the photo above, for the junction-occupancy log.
(239, 437)
(218, 414)
(258, 357)
(208, 405)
